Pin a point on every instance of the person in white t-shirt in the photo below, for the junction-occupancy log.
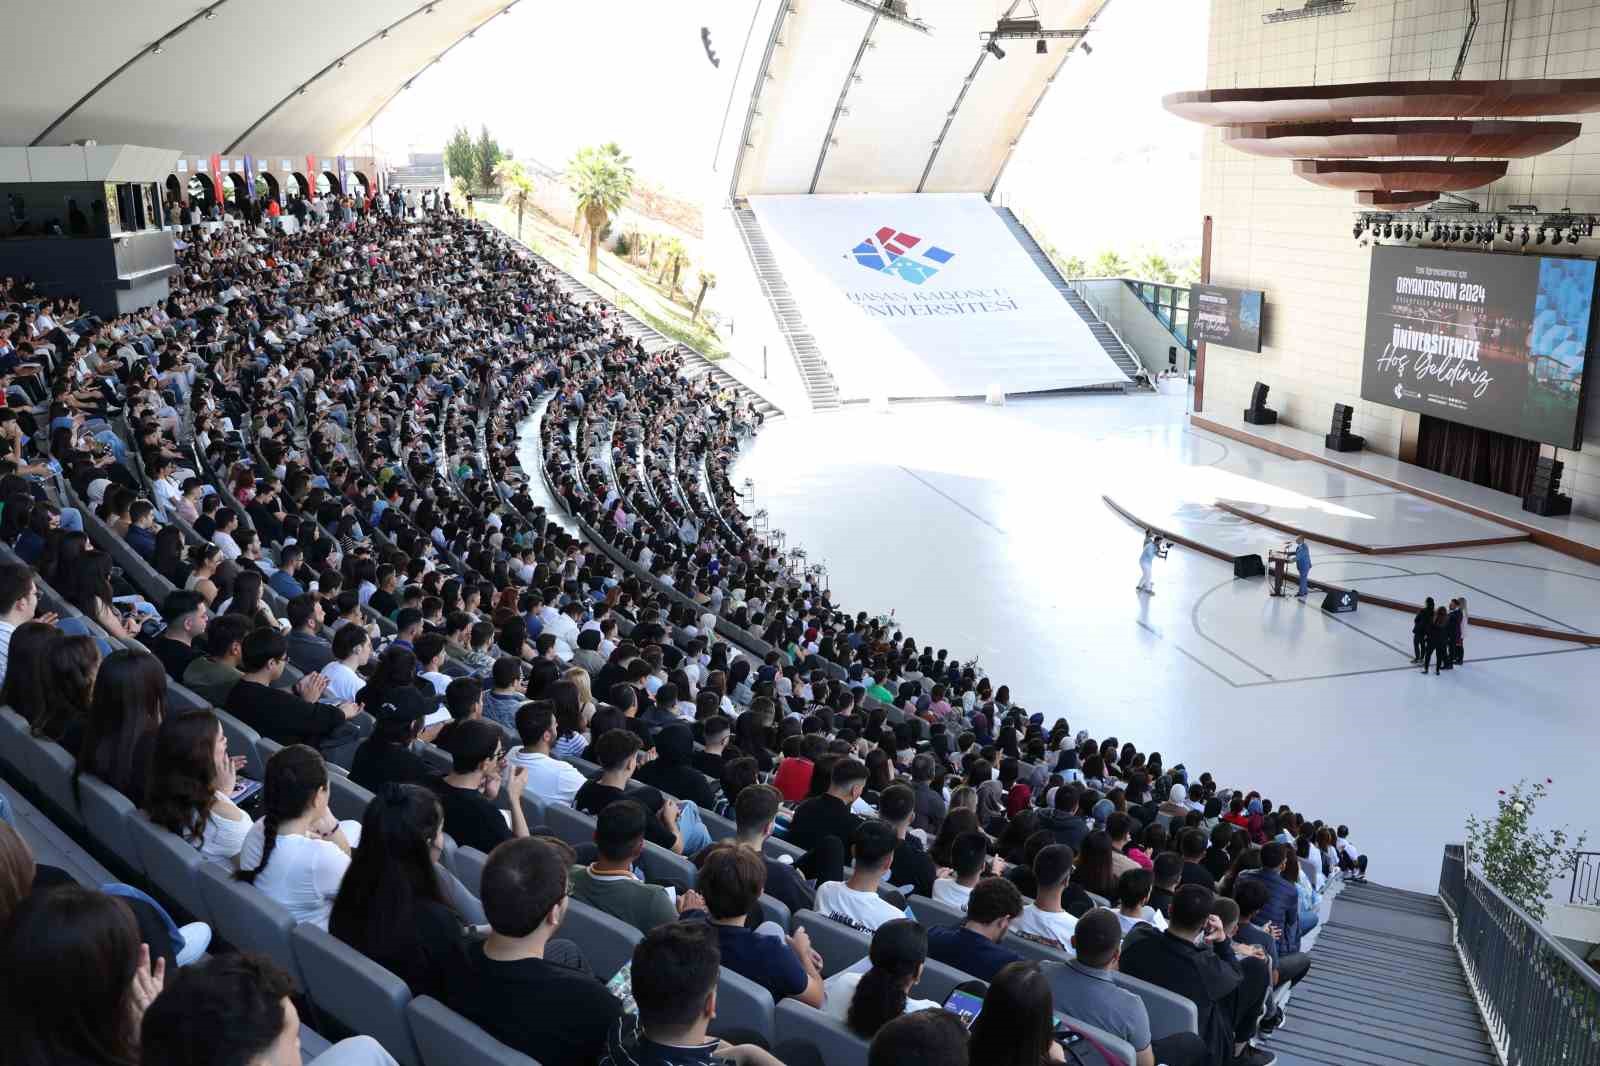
(969, 858)
(856, 902)
(352, 649)
(884, 980)
(298, 853)
(1133, 901)
(548, 778)
(1043, 921)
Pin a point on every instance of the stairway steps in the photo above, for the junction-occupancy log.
(821, 389)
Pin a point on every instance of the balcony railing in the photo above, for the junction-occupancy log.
(1541, 1003)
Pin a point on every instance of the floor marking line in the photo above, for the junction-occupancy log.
(936, 489)
(1186, 653)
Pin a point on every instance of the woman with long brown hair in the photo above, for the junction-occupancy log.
(191, 779)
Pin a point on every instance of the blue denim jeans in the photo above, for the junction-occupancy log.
(695, 836)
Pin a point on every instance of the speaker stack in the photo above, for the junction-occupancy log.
(1544, 496)
(1339, 438)
(1258, 413)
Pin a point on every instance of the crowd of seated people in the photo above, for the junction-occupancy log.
(314, 444)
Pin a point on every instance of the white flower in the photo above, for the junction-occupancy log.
(1519, 806)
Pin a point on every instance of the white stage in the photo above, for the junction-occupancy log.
(985, 529)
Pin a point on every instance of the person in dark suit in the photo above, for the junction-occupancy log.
(1419, 631)
(1456, 621)
(1438, 642)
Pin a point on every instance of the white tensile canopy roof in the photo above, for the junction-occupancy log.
(229, 76)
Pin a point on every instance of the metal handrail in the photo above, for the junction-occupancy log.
(1539, 1001)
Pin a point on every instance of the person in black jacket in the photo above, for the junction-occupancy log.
(823, 824)
(1438, 643)
(912, 864)
(672, 770)
(1419, 631)
(1456, 619)
(1195, 959)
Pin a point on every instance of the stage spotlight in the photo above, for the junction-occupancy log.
(1041, 48)
(1572, 237)
(1355, 230)
(1088, 49)
(1408, 233)
(994, 49)
(1524, 236)
(1540, 238)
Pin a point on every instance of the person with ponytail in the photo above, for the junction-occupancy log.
(391, 906)
(866, 1002)
(298, 852)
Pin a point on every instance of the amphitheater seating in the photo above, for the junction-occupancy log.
(445, 1038)
(248, 919)
(355, 991)
(606, 942)
(837, 943)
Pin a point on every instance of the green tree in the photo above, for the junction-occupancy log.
(673, 254)
(488, 153)
(1189, 272)
(707, 280)
(1073, 266)
(601, 179)
(1108, 264)
(1153, 266)
(1515, 858)
(516, 188)
(461, 158)
(459, 190)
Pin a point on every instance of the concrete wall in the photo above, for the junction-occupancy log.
(1138, 326)
(1291, 239)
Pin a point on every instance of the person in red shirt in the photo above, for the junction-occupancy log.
(793, 777)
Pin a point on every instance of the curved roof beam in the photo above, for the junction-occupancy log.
(340, 60)
(950, 118)
(850, 78)
(149, 49)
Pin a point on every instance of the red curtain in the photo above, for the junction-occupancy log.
(1481, 456)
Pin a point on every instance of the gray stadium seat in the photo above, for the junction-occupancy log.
(247, 918)
(938, 981)
(743, 1005)
(468, 865)
(584, 766)
(662, 865)
(445, 1038)
(719, 827)
(51, 766)
(347, 799)
(16, 744)
(606, 942)
(835, 1042)
(171, 864)
(837, 943)
(931, 914)
(569, 823)
(1114, 1044)
(358, 993)
(106, 813)
(1032, 949)
(777, 849)
(1169, 1012)
(773, 910)
(532, 809)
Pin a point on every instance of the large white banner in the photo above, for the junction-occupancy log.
(922, 296)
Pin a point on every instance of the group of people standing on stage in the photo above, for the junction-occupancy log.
(1437, 634)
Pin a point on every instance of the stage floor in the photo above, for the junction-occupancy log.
(985, 530)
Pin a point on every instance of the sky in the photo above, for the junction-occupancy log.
(1118, 173)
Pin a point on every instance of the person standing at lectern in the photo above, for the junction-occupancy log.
(1302, 561)
(1147, 556)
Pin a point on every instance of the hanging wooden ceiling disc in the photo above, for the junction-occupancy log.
(1382, 198)
(1484, 139)
(1516, 98)
(1405, 175)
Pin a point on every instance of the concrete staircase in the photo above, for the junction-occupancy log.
(821, 389)
(1102, 332)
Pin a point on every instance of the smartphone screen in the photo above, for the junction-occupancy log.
(964, 1005)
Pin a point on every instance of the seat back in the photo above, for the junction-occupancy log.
(834, 1041)
(777, 849)
(1169, 1012)
(248, 918)
(667, 867)
(1124, 1051)
(468, 865)
(16, 744)
(360, 995)
(938, 981)
(775, 911)
(1032, 949)
(445, 1038)
(719, 827)
(837, 943)
(532, 810)
(584, 766)
(932, 914)
(569, 823)
(346, 799)
(106, 814)
(171, 864)
(743, 1005)
(607, 942)
(52, 765)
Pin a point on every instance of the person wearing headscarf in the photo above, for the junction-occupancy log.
(1017, 799)
(1176, 804)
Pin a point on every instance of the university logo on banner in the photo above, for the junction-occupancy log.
(892, 251)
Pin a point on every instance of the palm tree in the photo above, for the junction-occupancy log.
(516, 188)
(601, 179)
(1108, 264)
(707, 280)
(1153, 266)
(674, 253)
(1074, 267)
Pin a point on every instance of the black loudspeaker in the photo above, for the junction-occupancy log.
(1341, 601)
(1339, 438)
(1248, 566)
(1172, 356)
(1544, 492)
(1258, 413)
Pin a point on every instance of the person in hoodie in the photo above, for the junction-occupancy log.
(1069, 821)
(673, 770)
